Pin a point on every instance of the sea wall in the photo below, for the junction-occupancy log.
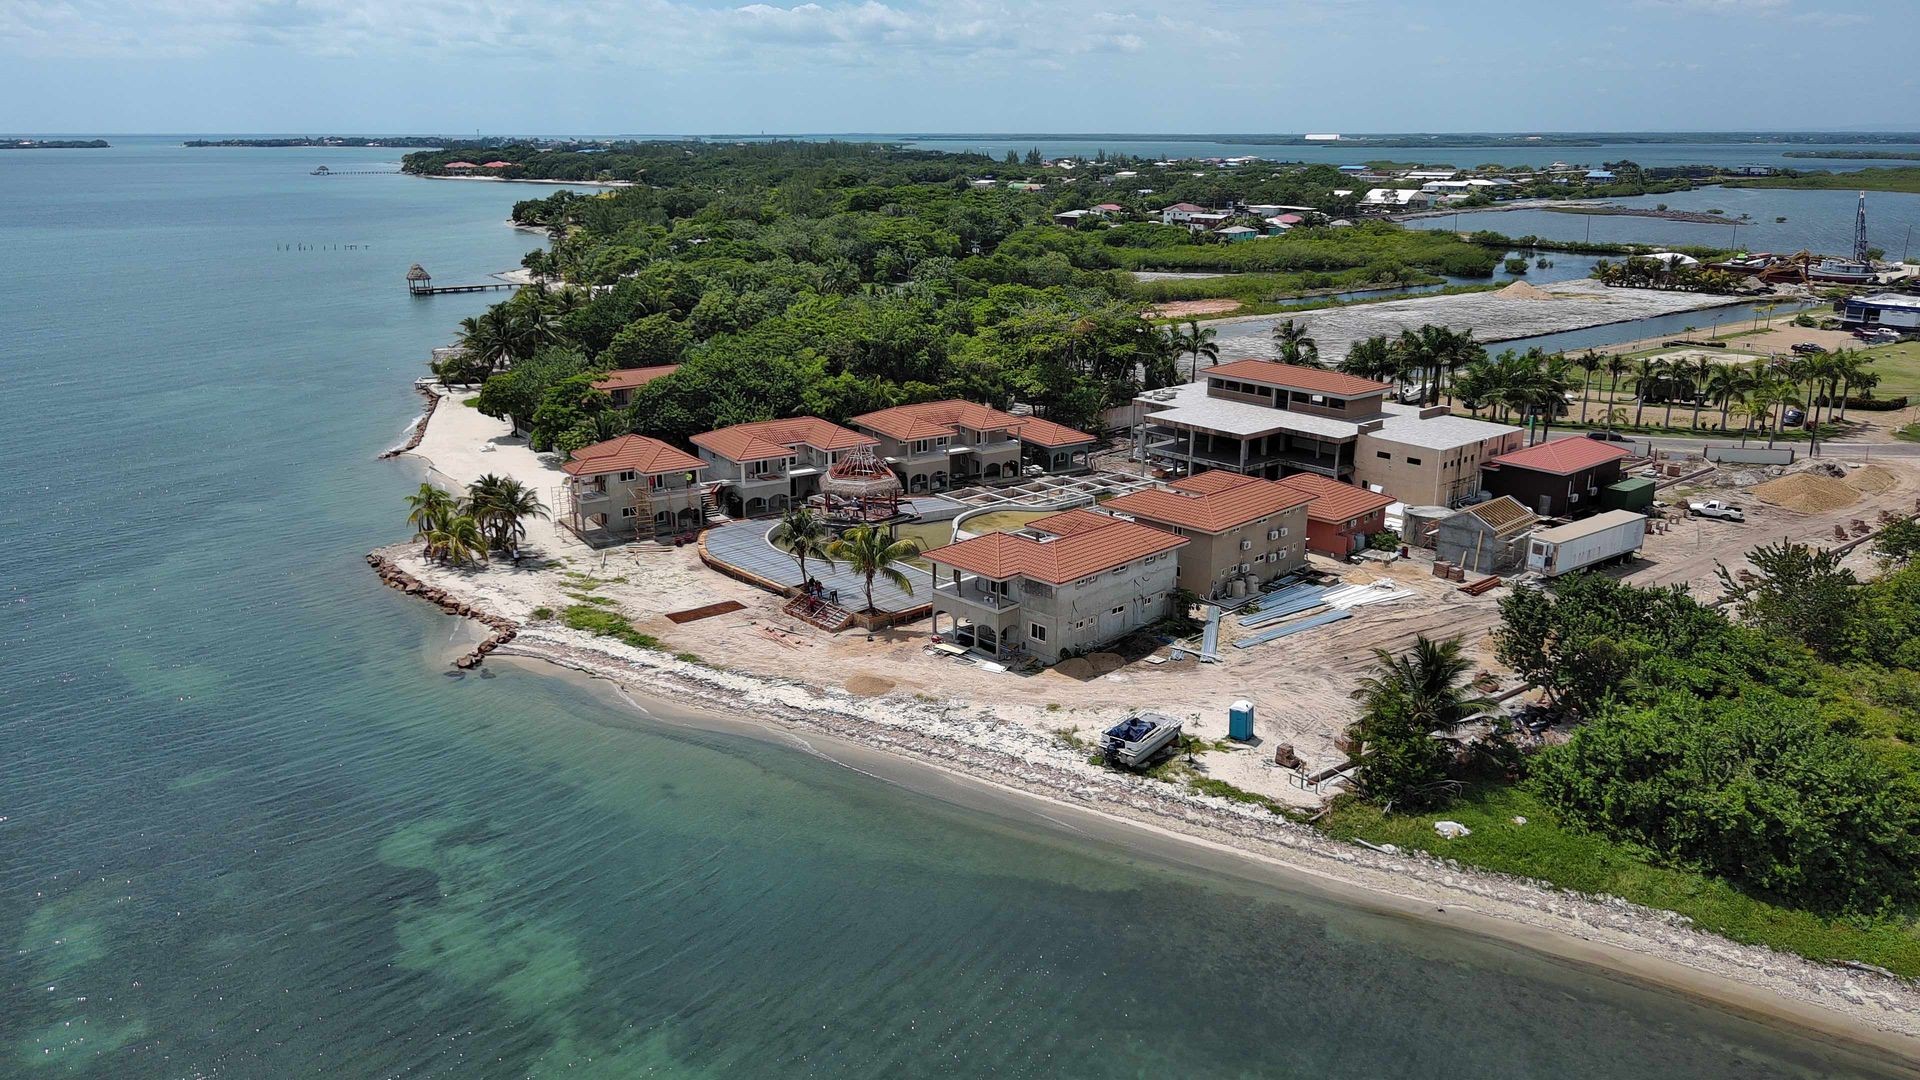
(505, 629)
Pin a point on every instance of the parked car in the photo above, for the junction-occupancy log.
(1808, 348)
(1714, 508)
(1793, 417)
(1608, 436)
(1883, 334)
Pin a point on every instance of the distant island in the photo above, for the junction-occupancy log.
(407, 141)
(54, 144)
(1868, 155)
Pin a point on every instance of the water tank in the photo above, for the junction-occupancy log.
(1236, 587)
(1240, 721)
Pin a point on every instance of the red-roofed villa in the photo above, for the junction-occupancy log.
(940, 444)
(631, 488)
(765, 467)
(1244, 531)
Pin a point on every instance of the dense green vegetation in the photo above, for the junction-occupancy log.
(1904, 178)
(491, 516)
(834, 279)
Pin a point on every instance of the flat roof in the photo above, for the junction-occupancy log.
(1190, 406)
(1560, 534)
(1299, 377)
(1892, 300)
(1403, 425)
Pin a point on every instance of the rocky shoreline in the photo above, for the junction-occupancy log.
(419, 426)
(504, 629)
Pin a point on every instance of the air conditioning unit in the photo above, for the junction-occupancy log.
(1246, 545)
(1273, 534)
(1244, 568)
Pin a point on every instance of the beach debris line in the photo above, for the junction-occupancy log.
(505, 629)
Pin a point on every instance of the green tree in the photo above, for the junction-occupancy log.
(502, 506)
(458, 541)
(1405, 701)
(1198, 341)
(429, 509)
(1293, 345)
(805, 535)
(1800, 592)
(871, 552)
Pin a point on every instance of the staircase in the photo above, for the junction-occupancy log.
(817, 612)
(710, 506)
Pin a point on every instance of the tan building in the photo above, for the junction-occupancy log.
(1241, 529)
(764, 468)
(1260, 418)
(1065, 584)
(936, 445)
(631, 488)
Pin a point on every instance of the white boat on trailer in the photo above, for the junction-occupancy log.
(1134, 741)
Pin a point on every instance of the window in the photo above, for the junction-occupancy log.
(1084, 581)
(628, 511)
(1036, 632)
(1413, 461)
(1382, 454)
(628, 476)
(1119, 610)
(656, 482)
(1119, 571)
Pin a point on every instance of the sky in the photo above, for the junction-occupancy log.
(609, 67)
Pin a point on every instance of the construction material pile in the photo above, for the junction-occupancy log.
(1873, 479)
(1807, 493)
(1520, 290)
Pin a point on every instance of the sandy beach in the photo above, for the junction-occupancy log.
(887, 696)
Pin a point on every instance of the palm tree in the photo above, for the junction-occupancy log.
(1373, 358)
(805, 535)
(458, 540)
(1198, 340)
(1589, 363)
(1294, 345)
(429, 509)
(1725, 384)
(871, 552)
(1616, 366)
(1426, 680)
(502, 505)
(1645, 370)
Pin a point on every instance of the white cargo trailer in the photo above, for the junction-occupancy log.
(1566, 548)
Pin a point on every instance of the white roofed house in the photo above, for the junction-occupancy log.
(1396, 199)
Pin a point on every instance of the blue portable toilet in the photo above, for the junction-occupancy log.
(1240, 721)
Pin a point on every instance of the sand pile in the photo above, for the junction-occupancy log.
(1807, 493)
(1104, 662)
(868, 685)
(1520, 290)
(1076, 668)
(1873, 479)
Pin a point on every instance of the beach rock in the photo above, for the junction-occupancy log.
(1452, 830)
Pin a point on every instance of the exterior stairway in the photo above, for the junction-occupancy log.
(817, 612)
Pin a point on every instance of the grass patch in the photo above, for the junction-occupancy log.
(1546, 849)
(1898, 366)
(1909, 433)
(607, 624)
(543, 613)
(690, 658)
(589, 598)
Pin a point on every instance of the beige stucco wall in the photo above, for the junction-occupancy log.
(1440, 477)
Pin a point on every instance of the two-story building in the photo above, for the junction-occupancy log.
(1064, 584)
(620, 383)
(939, 444)
(1241, 528)
(1261, 418)
(765, 467)
(631, 488)
(1342, 518)
(1560, 478)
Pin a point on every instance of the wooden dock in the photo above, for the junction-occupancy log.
(435, 290)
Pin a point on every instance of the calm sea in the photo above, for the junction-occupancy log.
(249, 827)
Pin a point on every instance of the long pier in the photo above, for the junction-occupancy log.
(435, 290)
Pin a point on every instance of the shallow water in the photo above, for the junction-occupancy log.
(250, 827)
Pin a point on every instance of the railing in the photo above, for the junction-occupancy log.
(975, 596)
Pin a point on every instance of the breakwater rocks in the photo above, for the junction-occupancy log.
(504, 629)
(419, 426)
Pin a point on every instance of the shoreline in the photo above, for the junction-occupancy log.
(1608, 937)
(961, 737)
(527, 180)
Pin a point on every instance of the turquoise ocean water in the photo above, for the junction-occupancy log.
(249, 827)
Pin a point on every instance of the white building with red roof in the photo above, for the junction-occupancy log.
(765, 467)
(935, 445)
(1062, 585)
(631, 488)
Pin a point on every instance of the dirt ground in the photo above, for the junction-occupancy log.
(1180, 309)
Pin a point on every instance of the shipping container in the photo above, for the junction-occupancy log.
(1562, 550)
(1634, 494)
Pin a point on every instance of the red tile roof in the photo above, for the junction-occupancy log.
(461, 165)
(631, 452)
(932, 419)
(1084, 543)
(498, 165)
(1299, 377)
(1109, 207)
(1334, 501)
(777, 438)
(1211, 502)
(633, 378)
(1563, 457)
(1188, 207)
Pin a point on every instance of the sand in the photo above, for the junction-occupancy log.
(1521, 290)
(868, 685)
(1873, 479)
(1807, 493)
(1180, 309)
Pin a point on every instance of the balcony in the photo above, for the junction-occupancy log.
(970, 593)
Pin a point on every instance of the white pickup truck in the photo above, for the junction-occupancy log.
(1714, 508)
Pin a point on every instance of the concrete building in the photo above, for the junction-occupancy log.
(1065, 584)
(620, 383)
(765, 467)
(1396, 199)
(1895, 311)
(1561, 478)
(631, 488)
(1342, 518)
(1260, 418)
(1242, 529)
(1490, 538)
(936, 445)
